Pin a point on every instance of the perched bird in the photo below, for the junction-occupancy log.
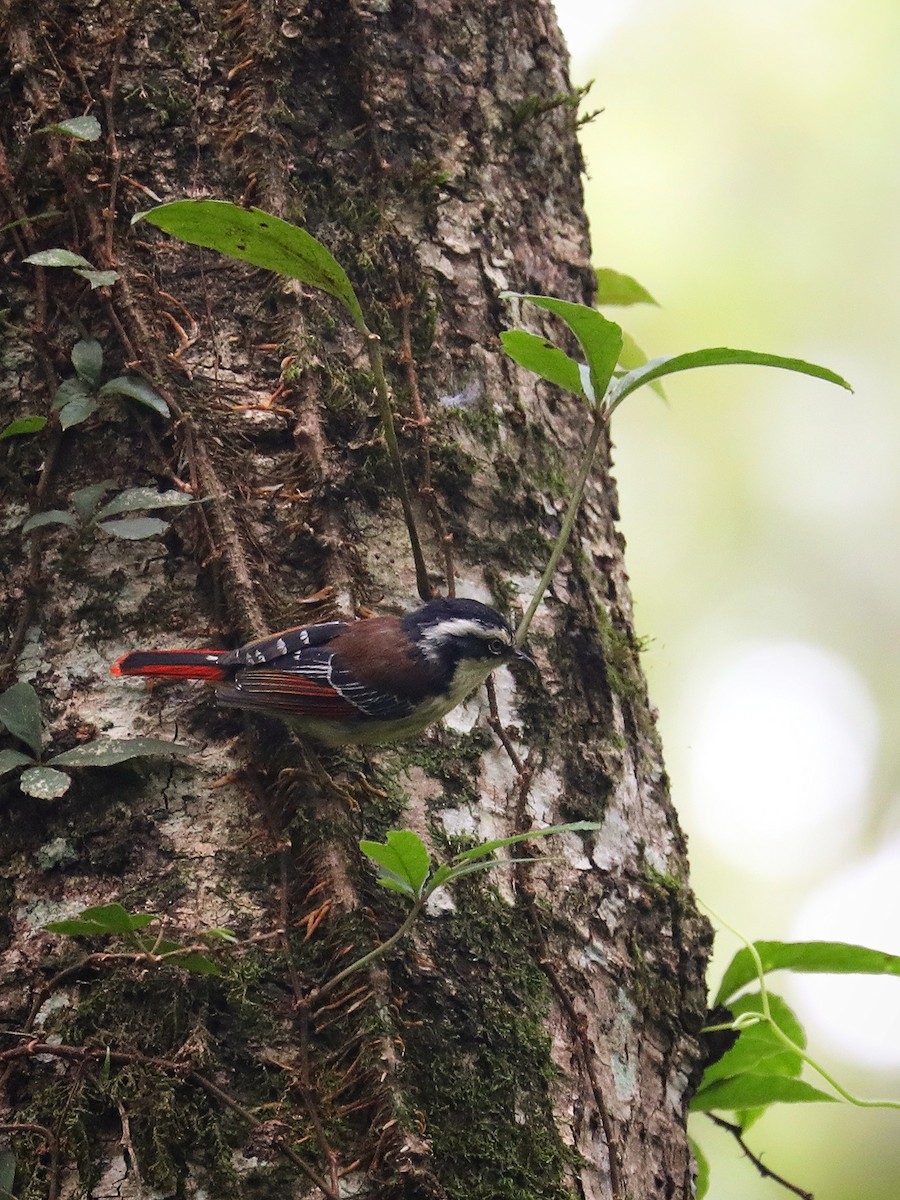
(372, 681)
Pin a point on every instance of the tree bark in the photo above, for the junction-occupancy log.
(536, 1035)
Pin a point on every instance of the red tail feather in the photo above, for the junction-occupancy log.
(171, 664)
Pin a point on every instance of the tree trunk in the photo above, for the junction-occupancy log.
(536, 1035)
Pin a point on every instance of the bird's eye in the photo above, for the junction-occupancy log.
(495, 646)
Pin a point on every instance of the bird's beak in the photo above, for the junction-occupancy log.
(523, 655)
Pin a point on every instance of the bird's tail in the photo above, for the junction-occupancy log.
(172, 664)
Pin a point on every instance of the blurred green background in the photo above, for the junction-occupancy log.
(746, 171)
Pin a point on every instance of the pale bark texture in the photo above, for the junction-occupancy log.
(536, 1035)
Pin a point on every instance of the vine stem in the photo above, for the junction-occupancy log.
(567, 526)
(786, 1041)
(371, 957)
(376, 360)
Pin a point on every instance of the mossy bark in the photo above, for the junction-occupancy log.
(537, 1035)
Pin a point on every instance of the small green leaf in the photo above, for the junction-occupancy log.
(58, 257)
(538, 355)
(227, 935)
(403, 859)
(615, 288)
(172, 953)
(103, 918)
(85, 499)
(745, 1117)
(701, 1183)
(53, 516)
(7, 1173)
(23, 425)
(633, 356)
(135, 499)
(758, 1048)
(68, 390)
(135, 529)
(718, 356)
(138, 389)
(258, 238)
(87, 359)
(10, 760)
(756, 1091)
(20, 715)
(98, 278)
(83, 129)
(835, 958)
(601, 340)
(106, 752)
(44, 783)
(77, 411)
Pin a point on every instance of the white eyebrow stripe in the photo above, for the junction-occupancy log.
(462, 627)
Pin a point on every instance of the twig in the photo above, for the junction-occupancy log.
(567, 526)
(53, 1143)
(376, 360)
(426, 488)
(766, 1172)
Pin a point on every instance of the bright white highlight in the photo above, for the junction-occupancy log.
(782, 738)
(858, 1015)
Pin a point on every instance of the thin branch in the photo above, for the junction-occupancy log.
(329, 986)
(52, 1142)
(426, 489)
(373, 349)
(567, 526)
(767, 1173)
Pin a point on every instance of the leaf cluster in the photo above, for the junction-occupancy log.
(764, 1065)
(79, 397)
(86, 513)
(114, 922)
(20, 716)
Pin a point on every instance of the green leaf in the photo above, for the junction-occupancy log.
(53, 516)
(258, 238)
(68, 390)
(135, 499)
(194, 962)
(23, 425)
(20, 715)
(702, 1180)
(85, 499)
(758, 1048)
(11, 759)
(486, 848)
(83, 129)
(58, 257)
(719, 356)
(756, 1091)
(106, 752)
(103, 918)
(538, 355)
(87, 359)
(600, 339)
(98, 278)
(403, 858)
(835, 958)
(77, 411)
(745, 1117)
(44, 783)
(7, 1173)
(615, 288)
(138, 389)
(135, 529)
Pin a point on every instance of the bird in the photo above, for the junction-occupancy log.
(369, 682)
